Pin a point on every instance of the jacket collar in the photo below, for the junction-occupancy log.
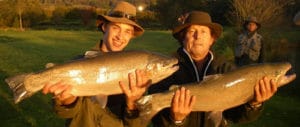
(207, 63)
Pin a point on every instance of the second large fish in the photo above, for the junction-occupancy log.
(98, 75)
(222, 91)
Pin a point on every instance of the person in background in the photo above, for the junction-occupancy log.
(197, 34)
(249, 47)
(118, 28)
(297, 19)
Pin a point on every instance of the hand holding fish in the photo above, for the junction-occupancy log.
(182, 104)
(61, 92)
(136, 88)
(264, 90)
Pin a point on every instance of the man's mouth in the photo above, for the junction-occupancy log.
(117, 43)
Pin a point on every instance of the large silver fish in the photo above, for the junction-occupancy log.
(219, 92)
(97, 75)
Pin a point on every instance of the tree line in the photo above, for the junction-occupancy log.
(157, 14)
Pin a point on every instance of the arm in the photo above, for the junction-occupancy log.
(137, 87)
(64, 103)
(250, 111)
(178, 114)
(240, 46)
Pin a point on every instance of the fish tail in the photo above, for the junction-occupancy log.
(146, 108)
(16, 84)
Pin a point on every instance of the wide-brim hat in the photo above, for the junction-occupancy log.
(251, 19)
(122, 12)
(197, 18)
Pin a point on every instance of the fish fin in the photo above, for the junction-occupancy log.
(49, 65)
(174, 87)
(212, 77)
(101, 100)
(146, 108)
(16, 84)
(150, 105)
(213, 118)
(92, 54)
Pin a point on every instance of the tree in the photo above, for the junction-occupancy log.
(20, 6)
(266, 11)
(168, 11)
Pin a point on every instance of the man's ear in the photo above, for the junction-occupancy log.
(103, 27)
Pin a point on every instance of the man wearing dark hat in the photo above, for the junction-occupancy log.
(118, 28)
(196, 35)
(248, 49)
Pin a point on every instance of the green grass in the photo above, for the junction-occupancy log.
(29, 51)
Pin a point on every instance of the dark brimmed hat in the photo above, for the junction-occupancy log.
(196, 18)
(122, 12)
(251, 19)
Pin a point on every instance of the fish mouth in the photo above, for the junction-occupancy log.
(288, 76)
(173, 65)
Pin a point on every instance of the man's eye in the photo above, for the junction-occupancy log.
(129, 32)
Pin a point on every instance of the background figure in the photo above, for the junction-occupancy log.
(249, 46)
(118, 28)
(297, 19)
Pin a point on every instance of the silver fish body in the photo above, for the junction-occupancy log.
(98, 75)
(220, 92)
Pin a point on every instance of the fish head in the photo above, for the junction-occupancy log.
(160, 66)
(280, 72)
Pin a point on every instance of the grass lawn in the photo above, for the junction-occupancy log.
(29, 51)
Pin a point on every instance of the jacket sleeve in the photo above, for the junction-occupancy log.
(242, 114)
(67, 111)
(85, 112)
(163, 119)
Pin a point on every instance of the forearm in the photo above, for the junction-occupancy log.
(243, 114)
(164, 119)
(67, 111)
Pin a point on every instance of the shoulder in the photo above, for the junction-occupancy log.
(258, 36)
(221, 65)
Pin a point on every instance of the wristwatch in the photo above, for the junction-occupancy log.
(254, 107)
(177, 122)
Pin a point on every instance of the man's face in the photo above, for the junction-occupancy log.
(116, 36)
(197, 41)
(251, 26)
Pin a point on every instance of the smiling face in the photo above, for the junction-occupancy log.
(116, 36)
(198, 40)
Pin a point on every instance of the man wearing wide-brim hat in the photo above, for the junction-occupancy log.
(119, 27)
(196, 34)
(249, 46)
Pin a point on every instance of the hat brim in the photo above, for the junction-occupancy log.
(246, 23)
(138, 30)
(215, 28)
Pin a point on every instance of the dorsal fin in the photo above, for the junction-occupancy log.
(211, 77)
(174, 87)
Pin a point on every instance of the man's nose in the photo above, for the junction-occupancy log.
(196, 35)
(119, 35)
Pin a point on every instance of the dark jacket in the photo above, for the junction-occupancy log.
(87, 112)
(188, 73)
